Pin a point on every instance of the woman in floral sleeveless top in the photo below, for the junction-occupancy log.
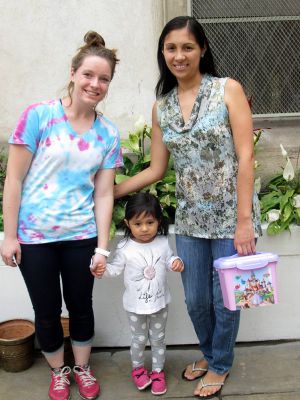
(205, 123)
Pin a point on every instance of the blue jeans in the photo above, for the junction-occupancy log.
(216, 326)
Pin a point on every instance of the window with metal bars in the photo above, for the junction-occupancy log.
(257, 42)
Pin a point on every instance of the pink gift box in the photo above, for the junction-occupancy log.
(248, 281)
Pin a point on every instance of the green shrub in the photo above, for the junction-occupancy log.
(280, 200)
(136, 155)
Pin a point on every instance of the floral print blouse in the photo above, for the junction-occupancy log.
(205, 162)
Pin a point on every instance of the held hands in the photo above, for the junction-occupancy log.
(244, 240)
(98, 265)
(177, 265)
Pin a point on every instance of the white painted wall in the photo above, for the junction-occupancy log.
(280, 321)
(38, 38)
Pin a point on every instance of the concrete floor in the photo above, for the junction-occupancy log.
(261, 371)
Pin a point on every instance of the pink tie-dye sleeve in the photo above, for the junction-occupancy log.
(27, 129)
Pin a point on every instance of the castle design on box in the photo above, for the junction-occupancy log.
(249, 281)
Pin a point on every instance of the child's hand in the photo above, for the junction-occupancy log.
(177, 265)
(98, 270)
(97, 267)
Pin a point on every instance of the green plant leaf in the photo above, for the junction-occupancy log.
(121, 178)
(134, 142)
(273, 228)
(136, 168)
(173, 201)
(277, 180)
(165, 200)
(269, 201)
(128, 163)
(274, 187)
(119, 212)
(170, 176)
(287, 212)
(112, 230)
(152, 189)
(125, 144)
(285, 198)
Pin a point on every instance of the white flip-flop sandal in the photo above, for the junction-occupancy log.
(194, 369)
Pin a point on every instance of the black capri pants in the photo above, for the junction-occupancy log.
(44, 267)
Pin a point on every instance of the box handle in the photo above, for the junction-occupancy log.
(252, 265)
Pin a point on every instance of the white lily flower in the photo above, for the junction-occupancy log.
(273, 215)
(283, 151)
(140, 123)
(288, 172)
(296, 201)
(257, 184)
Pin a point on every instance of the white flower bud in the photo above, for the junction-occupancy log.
(273, 215)
(288, 172)
(140, 123)
(257, 184)
(283, 151)
(296, 201)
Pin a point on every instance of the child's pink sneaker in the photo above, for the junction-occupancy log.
(141, 378)
(60, 384)
(88, 386)
(159, 385)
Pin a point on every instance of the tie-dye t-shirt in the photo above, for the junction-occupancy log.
(57, 196)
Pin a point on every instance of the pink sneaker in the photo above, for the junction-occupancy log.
(141, 378)
(158, 383)
(88, 386)
(60, 384)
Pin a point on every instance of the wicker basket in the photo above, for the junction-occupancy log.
(16, 344)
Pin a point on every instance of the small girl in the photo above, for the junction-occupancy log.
(145, 255)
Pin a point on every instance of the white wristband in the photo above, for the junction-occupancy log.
(103, 252)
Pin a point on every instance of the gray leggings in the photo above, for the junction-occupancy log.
(152, 326)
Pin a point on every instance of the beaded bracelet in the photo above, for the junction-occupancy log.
(103, 252)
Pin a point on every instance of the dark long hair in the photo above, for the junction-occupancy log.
(145, 203)
(167, 80)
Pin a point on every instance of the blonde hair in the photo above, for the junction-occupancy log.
(94, 46)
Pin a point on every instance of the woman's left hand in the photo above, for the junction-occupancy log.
(244, 239)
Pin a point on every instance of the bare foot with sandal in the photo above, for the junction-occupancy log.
(195, 370)
(211, 385)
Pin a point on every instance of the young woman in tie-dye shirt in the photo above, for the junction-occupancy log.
(58, 201)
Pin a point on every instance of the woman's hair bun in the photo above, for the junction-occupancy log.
(92, 38)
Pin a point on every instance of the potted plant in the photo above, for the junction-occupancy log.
(280, 199)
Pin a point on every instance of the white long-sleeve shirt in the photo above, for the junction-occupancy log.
(145, 266)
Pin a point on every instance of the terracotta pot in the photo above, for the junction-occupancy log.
(16, 344)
